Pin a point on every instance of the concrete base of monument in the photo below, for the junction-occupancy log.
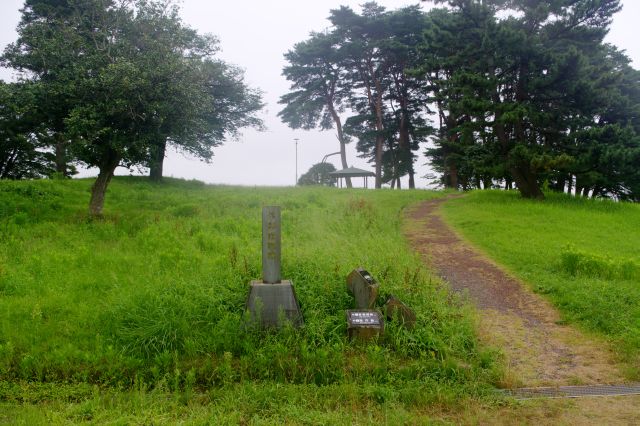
(272, 305)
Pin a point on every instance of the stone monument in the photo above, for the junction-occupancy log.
(363, 323)
(363, 287)
(272, 300)
(393, 308)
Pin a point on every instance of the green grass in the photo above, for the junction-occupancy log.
(248, 403)
(151, 296)
(582, 254)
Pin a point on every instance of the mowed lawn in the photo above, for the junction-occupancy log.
(150, 298)
(584, 255)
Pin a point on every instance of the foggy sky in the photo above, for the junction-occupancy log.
(254, 35)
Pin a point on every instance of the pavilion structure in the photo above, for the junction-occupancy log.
(352, 172)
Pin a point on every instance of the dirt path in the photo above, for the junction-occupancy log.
(539, 351)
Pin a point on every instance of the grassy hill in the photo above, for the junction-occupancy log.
(584, 255)
(138, 317)
(146, 304)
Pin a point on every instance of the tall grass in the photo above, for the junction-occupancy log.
(154, 291)
(577, 263)
(582, 254)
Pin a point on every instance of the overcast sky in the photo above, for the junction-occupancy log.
(255, 34)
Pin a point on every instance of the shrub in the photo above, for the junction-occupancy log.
(578, 263)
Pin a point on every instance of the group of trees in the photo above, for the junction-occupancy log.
(363, 64)
(108, 83)
(510, 93)
(318, 174)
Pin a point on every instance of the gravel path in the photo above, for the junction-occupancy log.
(538, 349)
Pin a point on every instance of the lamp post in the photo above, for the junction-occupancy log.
(296, 139)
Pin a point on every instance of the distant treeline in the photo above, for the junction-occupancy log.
(510, 93)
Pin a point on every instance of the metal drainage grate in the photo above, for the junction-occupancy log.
(574, 391)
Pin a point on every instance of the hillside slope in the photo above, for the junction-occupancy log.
(153, 293)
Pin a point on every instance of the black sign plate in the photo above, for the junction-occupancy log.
(363, 318)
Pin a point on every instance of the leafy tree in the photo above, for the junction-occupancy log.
(129, 86)
(318, 174)
(526, 93)
(454, 61)
(551, 93)
(195, 101)
(318, 94)
(379, 50)
(360, 37)
(46, 48)
(529, 93)
(408, 92)
(604, 145)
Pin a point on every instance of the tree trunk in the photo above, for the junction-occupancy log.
(453, 176)
(343, 145)
(376, 108)
(376, 104)
(156, 162)
(524, 176)
(404, 141)
(61, 155)
(453, 182)
(527, 182)
(412, 180)
(99, 188)
(379, 144)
